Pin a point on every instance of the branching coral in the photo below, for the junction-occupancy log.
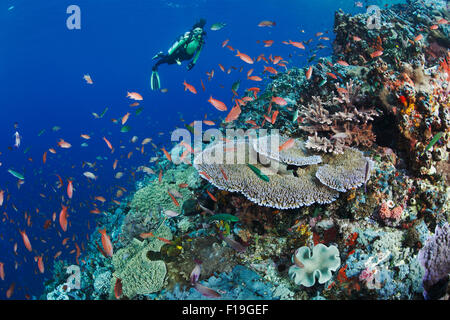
(339, 121)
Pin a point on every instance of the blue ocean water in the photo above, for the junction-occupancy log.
(42, 64)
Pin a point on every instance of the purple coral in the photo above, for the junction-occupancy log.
(435, 258)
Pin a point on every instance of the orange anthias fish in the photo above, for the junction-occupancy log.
(1, 197)
(274, 117)
(244, 57)
(26, 241)
(342, 63)
(64, 144)
(270, 69)
(69, 189)
(219, 105)
(118, 288)
(418, 38)
(106, 243)
(279, 100)
(100, 198)
(85, 136)
(225, 43)
(267, 43)
(209, 122)
(44, 157)
(125, 118)
(376, 54)
(254, 78)
(234, 114)
(63, 218)
(211, 196)
(173, 199)
(332, 75)
(189, 87)
(88, 79)
(2, 271)
(108, 143)
(134, 96)
(40, 264)
(297, 44)
(309, 73)
(266, 23)
(288, 144)
(168, 156)
(203, 86)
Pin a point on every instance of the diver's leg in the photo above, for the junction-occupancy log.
(155, 82)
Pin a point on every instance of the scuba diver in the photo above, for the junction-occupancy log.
(187, 47)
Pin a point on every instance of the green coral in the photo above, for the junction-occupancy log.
(156, 193)
(138, 273)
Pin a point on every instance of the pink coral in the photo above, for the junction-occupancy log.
(385, 212)
(396, 213)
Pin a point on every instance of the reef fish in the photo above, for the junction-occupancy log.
(16, 174)
(258, 172)
(432, 142)
(106, 243)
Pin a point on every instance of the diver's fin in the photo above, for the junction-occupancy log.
(155, 82)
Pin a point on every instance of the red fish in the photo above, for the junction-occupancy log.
(219, 105)
(118, 288)
(255, 78)
(279, 100)
(297, 44)
(106, 243)
(173, 199)
(168, 156)
(270, 69)
(288, 144)
(40, 264)
(225, 43)
(63, 218)
(376, 54)
(244, 57)
(274, 117)
(332, 75)
(26, 241)
(189, 87)
(342, 63)
(234, 114)
(134, 96)
(108, 143)
(2, 271)
(267, 43)
(266, 23)
(211, 196)
(69, 189)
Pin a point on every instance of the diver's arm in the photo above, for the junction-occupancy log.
(194, 61)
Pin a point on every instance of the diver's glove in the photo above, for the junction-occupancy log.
(190, 66)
